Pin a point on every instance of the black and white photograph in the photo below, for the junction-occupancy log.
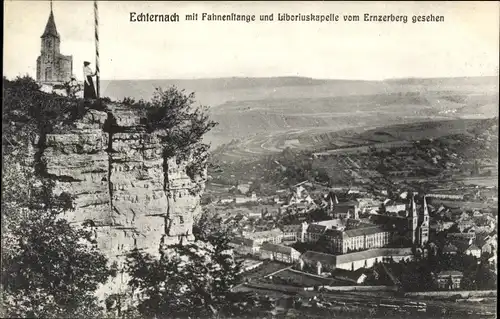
(253, 159)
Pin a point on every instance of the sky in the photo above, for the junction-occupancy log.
(465, 44)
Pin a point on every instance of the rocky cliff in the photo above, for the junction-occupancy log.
(121, 184)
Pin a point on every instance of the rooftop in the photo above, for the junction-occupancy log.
(331, 223)
(450, 273)
(360, 255)
(50, 28)
(243, 241)
(364, 231)
(277, 248)
(314, 228)
(292, 227)
(263, 234)
(349, 204)
(373, 253)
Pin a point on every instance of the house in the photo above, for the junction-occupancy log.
(320, 261)
(395, 208)
(487, 244)
(477, 214)
(243, 188)
(447, 225)
(493, 260)
(464, 216)
(463, 225)
(279, 253)
(294, 232)
(449, 280)
(467, 247)
(346, 210)
(278, 200)
(299, 208)
(250, 264)
(473, 250)
(450, 249)
(439, 225)
(367, 204)
(466, 236)
(315, 232)
(245, 199)
(226, 200)
(274, 236)
(300, 196)
(244, 246)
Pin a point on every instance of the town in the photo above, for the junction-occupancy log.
(346, 239)
(411, 218)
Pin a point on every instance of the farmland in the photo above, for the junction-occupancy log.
(449, 154)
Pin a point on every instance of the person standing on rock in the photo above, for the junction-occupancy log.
(88, 89)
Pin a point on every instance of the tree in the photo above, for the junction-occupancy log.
(49, 269)
(192, 280)
(180, 125)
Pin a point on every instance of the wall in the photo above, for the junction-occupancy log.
(370, 262)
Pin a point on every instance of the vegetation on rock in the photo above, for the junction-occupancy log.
(180, 124)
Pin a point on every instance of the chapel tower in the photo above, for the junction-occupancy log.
(51, 65)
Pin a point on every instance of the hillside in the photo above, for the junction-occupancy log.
(267, 113)
(215, 92)
(438, 154)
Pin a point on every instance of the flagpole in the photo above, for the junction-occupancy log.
(96, 28)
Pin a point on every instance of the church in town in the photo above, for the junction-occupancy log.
(406, 228)
(52, 67)
(412, 225)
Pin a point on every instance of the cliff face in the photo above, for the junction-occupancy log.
(121, 183)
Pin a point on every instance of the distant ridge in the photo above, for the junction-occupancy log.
(218, 91)
(460, 79)
(242, 82)
(304, 79)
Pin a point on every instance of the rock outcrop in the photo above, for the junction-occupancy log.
(121, 184)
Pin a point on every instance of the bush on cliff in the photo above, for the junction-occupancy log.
(172, 114)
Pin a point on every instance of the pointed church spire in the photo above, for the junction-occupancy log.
(413, 206)
(50, 28)
(426, 210)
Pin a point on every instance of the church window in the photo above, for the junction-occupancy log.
(48, 74)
